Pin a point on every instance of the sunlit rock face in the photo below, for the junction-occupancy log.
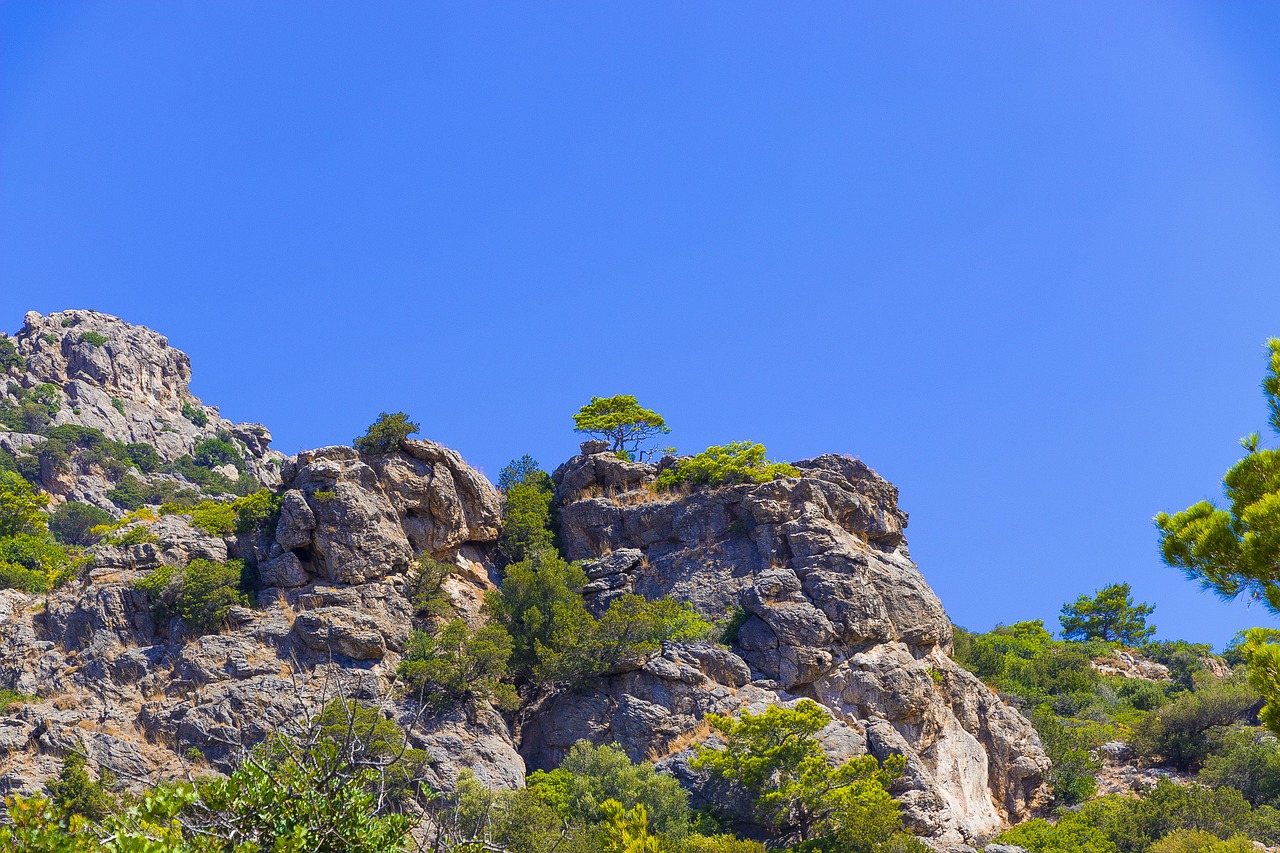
(836, 612)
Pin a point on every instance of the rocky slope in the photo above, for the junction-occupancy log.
(835, 610)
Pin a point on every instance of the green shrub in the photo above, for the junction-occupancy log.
(589, 775)
(117, 404)
(9, 357)
(31, 409)
(131, 493)
(1247, 759)
(201, 593)
(138, 535)
(259, 509)
(1072, 834)
(194, 413)
(526, 519)
(736, 462)
(93, 338)
(324, 496)
(72, 522)
(426, 587)
(1198, 841)
(1182, 732)
(144, 456)
(1074, 769)
(215, 452)
(76, 793)
(385, 434)
(214, 518)
(459, 664)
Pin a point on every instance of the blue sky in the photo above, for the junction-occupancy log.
(1020, 258)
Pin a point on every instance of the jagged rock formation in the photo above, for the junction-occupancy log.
(835, 609)
(837, 612)
(132, 386)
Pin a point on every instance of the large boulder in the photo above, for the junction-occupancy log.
(832, 608)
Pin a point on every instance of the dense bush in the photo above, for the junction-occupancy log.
(9, 357)
(201, 593)
(195, 414)
(556, 640)
(30, 559)
(144, 456)
(589, 775)
(1247, 759)
(31, 409)
(426, 587)
(777, 758)
(216, 452)
(528, 498)
(736, 462)
(459, 664)
(1134, 825)
(72, 522)
(131, 493)
(1182, 732)
(77, 794)
(385, 434)
(93, 338)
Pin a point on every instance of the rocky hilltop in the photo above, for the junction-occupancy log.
(829, 604)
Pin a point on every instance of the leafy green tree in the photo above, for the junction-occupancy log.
(620, 420)
(1110, 616)
(21, 506)
(72, 522)
(1074, 771)
(385, 434)
(201, 593)
(627, 830)
(76, 793)
(1184, 732)
(1236, 551)
(591, 775)
(526, 519)
(1247, 762)
(1199, 841)
(723, 465)
(776, 756)
(459, 664)
(9, 357)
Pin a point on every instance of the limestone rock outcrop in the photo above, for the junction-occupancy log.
(815, 568)
(835, 610)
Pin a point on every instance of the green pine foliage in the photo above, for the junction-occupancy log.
(30, 558)
(201, 593)
(459, 664)
(72, 522)
(195, 414)
(725, 465)
(385, 434)
(9, 358)
(95, 339)
(622, 421)
(1110, 616)
(777, 758)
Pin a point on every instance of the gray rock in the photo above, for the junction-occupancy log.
(341, 631)
(838, 611)
(284, 571)
(297, 521)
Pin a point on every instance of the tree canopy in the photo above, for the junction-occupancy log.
(621, 420)
(385, 434)
(1110, 615)
(1236, 551)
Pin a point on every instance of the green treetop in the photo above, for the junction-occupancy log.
(1110, 616)
(385, 434)
(1236, 551)
(620, 420)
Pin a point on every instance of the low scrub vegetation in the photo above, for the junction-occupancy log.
(200, 593)
(724, 465)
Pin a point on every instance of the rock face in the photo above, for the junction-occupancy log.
(829, 605)
(835, 611)
(126, 381)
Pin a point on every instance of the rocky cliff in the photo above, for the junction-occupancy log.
(829, 603)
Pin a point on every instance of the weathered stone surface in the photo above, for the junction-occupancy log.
(284, 571)
(132, 387)
(837, 611)
(297, 521)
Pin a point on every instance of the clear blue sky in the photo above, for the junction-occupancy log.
(1019, 257)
